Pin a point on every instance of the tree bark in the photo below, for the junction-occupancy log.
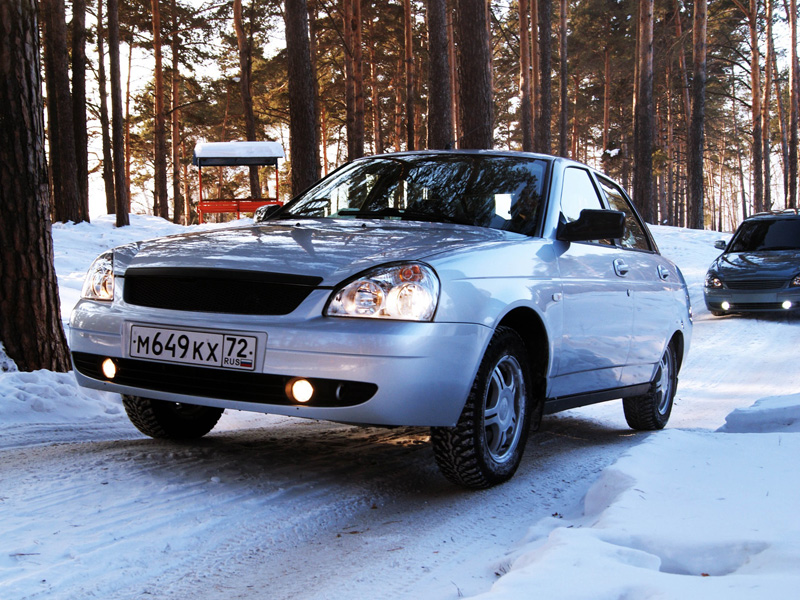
(65, 192)
(160, 202)
(543, 141)
(696, 130)
(794, 110)
(755, 87)
(30, 313)
(408, 45)
(526, 107)
(643, 129)
(765, 116)
(563, 105)
(108, 161)
(245, 66)
(302, 124)
(175, 118)
(440, 116)
(79, 103)
(475, 87)
(117, 134)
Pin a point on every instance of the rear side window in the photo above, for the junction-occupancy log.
(635, 237)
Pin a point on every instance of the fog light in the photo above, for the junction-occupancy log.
(109, 368)
(787, 304)
(725, 305)
(301, 390)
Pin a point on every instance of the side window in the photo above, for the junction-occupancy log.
(635, 236)
(578, 192)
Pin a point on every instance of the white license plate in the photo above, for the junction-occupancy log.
(207, 348)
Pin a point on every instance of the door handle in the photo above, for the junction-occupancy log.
(663, 272)
(621, 268)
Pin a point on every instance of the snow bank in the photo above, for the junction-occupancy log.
(684, 515)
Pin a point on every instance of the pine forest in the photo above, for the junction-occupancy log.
(692, 106)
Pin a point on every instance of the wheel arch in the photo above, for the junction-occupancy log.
(678, 342)
(530, 327)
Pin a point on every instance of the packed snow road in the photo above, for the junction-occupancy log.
(269, 508)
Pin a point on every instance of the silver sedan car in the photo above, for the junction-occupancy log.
(470, 292)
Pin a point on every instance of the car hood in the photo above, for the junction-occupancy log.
(758, 265)
(330, 249)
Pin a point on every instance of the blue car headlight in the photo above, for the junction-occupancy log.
(713, 281)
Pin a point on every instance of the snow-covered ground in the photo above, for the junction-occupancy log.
(270, 507)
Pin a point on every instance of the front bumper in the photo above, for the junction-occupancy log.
(752, 300)
(367, 372)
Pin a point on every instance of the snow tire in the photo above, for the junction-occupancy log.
(486, 445)
(651, 411)
(170, 420)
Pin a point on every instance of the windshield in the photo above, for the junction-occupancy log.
(775, 234)
(500, 192)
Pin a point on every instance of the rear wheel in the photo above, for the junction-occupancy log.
(651, 411)
(486, 445)
(170, 420)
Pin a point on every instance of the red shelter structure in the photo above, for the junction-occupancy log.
(235, 154)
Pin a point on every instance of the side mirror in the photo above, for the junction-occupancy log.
(593, 225)
(720, 244)
(265, 212)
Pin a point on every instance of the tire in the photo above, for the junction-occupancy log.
(170, 420)
(651, 411)
(718, 313)
(486, 445)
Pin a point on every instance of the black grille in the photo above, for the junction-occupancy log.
(217, 290)
(756, 284)
(757, 306)
(219, 383)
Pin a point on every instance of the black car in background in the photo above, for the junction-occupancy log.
(759, 269)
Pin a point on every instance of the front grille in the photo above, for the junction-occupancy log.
(755, 284)
(217, 290)
(756, 306)
(220, 383)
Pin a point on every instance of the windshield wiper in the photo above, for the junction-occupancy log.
(404, 215)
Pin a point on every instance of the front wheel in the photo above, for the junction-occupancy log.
(170, 420)
(486, 445)
(651, 411)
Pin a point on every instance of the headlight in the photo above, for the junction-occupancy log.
(408, 292)
(99, 282)
(795, 282)
(712, 281)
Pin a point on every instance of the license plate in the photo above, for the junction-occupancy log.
(206, 348)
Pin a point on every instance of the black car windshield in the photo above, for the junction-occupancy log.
(501, 192)
(766, 235)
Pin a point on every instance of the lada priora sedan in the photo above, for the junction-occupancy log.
(759, 269)
(470, 292)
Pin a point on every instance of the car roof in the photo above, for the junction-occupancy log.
(789, 213)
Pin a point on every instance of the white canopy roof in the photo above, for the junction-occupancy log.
(237, 153)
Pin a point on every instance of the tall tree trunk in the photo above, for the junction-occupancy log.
(245, 67)
(440, 116)
(30, 314)
(696, 130)
(535, 70)
(783, 128)
(526, 107)
(79, 103)
(160, 203)
(63, 164)
(643, 130)
(312, 48)
(765, 113)
(606, 96)
(128, 149)
(451, 52)
(377, 136)
(108, 164)
(543, 141)
(474, 86)
(175, 118)
(117, 135)
(408, 29)
(358, 79)
(302, 126)
(563, 119)
(682, 66)
(794, 110)
(755, 88)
